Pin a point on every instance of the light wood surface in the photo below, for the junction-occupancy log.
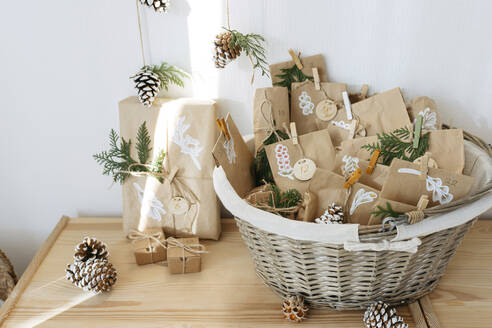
(226, 293)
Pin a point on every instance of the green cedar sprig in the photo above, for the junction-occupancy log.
(385, 212)
(168, 74)
(253, 45)
(398, 144)
(286, 199)
(261, 171)
(291, 75)
(143, 144)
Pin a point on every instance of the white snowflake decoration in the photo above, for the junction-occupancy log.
(362, 197)
(283, 162)
(229, 148)
(149, 200)
(306, 104)
(189, 145)
(341, 124)
(429, 119)
(440, 192)
(351, 164)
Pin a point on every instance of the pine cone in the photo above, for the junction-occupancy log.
(90, 249)
(224, 54)
(332, 215)
(381, 315)
(158, 5)
(294, 309)
(148, 86)
(94, 275)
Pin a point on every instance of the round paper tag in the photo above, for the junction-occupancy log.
(178, 205)
(326, 110)
(304, 169)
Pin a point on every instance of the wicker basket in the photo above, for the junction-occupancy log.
(347, 266)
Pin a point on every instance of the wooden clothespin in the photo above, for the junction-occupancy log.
(363, 91)
(316, 78)
(354, 177)
(221, 124)
(423, 202)
(295, 59)
(346, 102)
(417, 131)
(373, 161)
(353, 128)
(293, 133)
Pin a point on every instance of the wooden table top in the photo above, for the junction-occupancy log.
(225, 293)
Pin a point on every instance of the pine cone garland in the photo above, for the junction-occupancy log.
(224, 53)
(381, 315)
(294, 309)
(332, 215)
(94, 275)
(90, 249)
(158, 5)
(148, 85)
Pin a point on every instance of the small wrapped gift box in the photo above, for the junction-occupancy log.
(184, 255)
(149, 245)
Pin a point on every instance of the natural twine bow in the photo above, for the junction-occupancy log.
(269, 120)
(191, 248)
(136, 235)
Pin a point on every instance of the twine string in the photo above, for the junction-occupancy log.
(268, 118)
(191, 248)
(140, 33)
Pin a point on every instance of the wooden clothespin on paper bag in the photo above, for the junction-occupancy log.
(373, 161)
(348, 108)
(221, 124)
(295, 59)
(417, 132)
(423, 202)
(316, 79)
(353, 178)
(293, 132)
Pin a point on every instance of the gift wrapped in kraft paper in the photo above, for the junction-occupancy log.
(180, 198)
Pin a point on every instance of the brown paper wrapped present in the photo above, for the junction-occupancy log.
(183, 202)
(149, 246)
(426, 107)
(184, 255)
(308, 63)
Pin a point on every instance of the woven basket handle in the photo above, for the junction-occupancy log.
(409, 246)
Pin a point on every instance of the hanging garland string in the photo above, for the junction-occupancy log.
(140, 32)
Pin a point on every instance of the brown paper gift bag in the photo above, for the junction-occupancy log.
(270, 112)
(406, 184)
(446, 148)
(395, 206)
(426, 107)
(357, 201)
(308, 63)
(346, 165)
(235, 158)
(283, 155)
(185, 203)
(306, 114)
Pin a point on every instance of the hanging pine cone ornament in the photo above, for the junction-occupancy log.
(94, 275)
(294, 309)
(381, 315)
(224, 53)
(159, 5)
(332, 215)
(90, 249)
(150, 80)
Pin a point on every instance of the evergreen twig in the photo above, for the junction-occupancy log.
(143, 144)
(253, 46)
(286, 199)
(168, 74)
(385, 212)
(291, 75)
(261, 170)
(398, 144)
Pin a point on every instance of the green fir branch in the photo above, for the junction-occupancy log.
(291, 75)
(286, 199)
(398, 144)
(386, 212)
(168, 74)
(157, 165)
(254, 47)
(261, 171)
(143, 144)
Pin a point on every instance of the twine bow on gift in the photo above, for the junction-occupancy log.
(136, 235)
(191, 248)
(269, 120)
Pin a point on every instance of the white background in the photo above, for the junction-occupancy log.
(65, 64)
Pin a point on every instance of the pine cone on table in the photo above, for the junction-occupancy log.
(381, 315)
(158, 5)
(94, 275)
(148, 85)
(90, 249)
(224, 54)
(332, 215)
(294, 309)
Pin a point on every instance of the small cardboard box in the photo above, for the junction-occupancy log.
(180, 260)
(149, 250)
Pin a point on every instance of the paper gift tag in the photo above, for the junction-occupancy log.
(326, 110)
(427, 108)
(235, 158)
(318, 61)
(394, 206)
(283, 155)
(405, 183)
(304, 169)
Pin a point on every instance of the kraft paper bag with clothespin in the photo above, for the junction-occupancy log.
(388, 204)
(294, 164)
(446, 148)
(232, 153)
(181, 198)
(307, 64)
(346, 164)
(315, 107)
(407, 182)
(427, 108)
(357, 200)
(270, 112)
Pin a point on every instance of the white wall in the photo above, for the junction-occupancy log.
(65, 64)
